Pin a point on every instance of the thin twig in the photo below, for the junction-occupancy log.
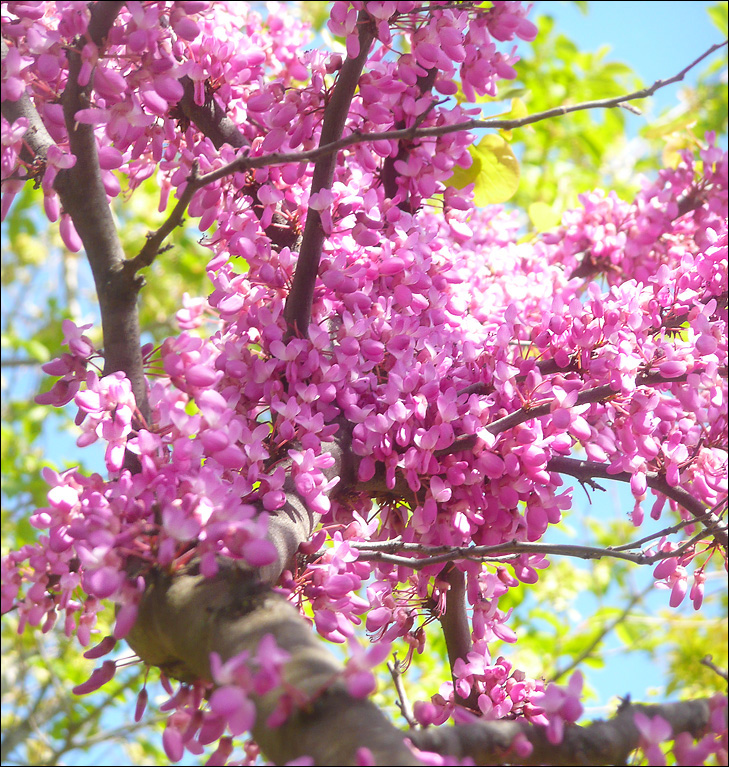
(588, 470)
(708, 662)
(153, 246)
(19, 363)
(668, 530)
(402, 699)
(246, 162)
(606, 629)
(383, 551)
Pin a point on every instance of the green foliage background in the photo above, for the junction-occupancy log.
(43, 284)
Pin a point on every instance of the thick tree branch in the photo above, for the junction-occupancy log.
(456, 628)
(293, 524)
(298, 304)
(389, 174)
(603, 742)
(210, 118)
(186, 617)
(83, 198)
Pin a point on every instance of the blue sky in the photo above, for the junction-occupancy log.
(657, 39)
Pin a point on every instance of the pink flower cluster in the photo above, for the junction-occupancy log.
(229, 711)
(672, 573)
(459, 45)
(136, 83)
(80, 561)
(71, 367)
(434, 335)
(672, 220)
(500, 691)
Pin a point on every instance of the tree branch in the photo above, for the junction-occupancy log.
(384, 551)
(83, 198)
(544, 407)
(395, 669)
(667, 530)
(603, 742)
(298, 304)
(585, 471)
(588, 470)
(324, 149)
(212, 121)
(36, 137)
(185, 617)
(293, 524)
(424, 84)
(152, 247)
(209, 118)
(456, 628)
(709, 663)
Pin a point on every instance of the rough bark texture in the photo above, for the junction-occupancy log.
(184, 616)
(603, 742)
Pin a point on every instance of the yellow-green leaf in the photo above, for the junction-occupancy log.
(494, 171)
(543, 216)
(682, 122)
(718, 15)
(498, 177)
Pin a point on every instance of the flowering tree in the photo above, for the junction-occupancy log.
(370, 417)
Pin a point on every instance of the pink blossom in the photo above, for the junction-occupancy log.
(653, 731)
(464, 359)
(561, 706)
(98, 678)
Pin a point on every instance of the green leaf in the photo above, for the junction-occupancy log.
(718, 15)
(543, 216)
(494, 171)
(36, 350)
(316, 12)
(681, 123)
